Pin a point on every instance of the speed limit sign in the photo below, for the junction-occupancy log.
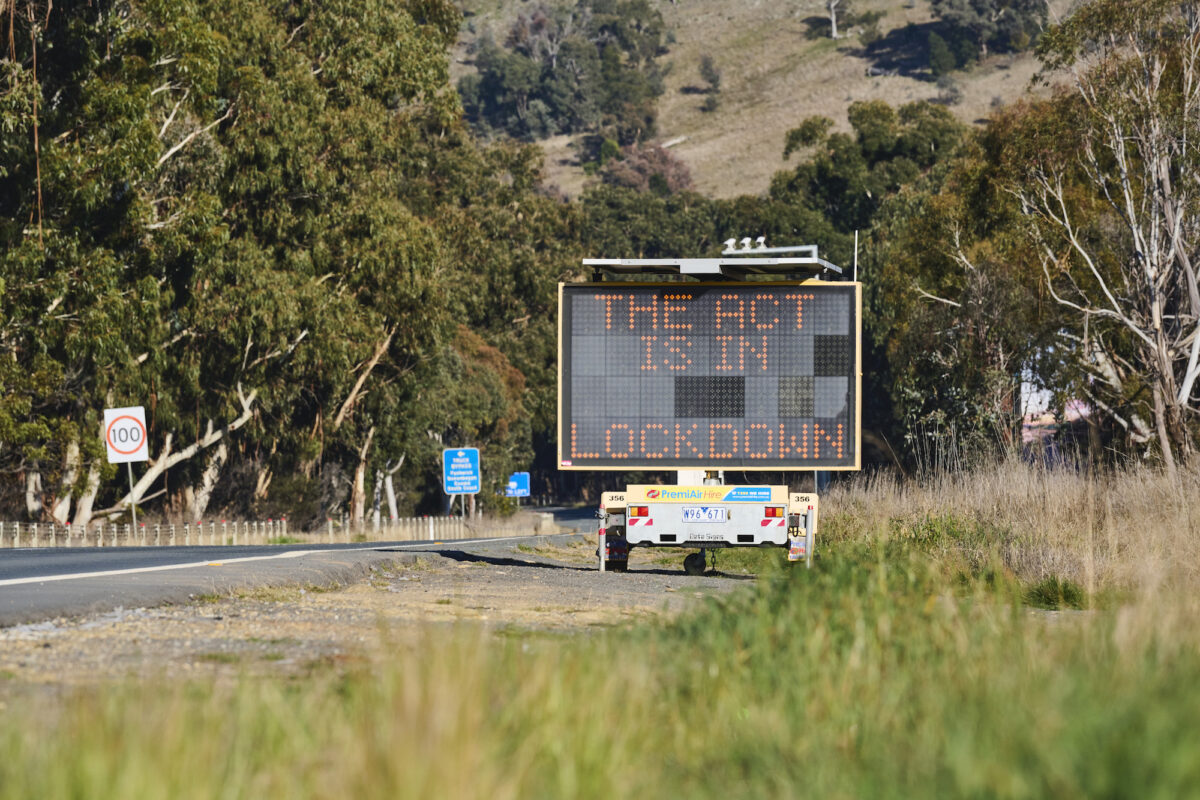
(125, 434)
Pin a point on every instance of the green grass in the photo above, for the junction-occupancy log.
(882, 672)
(1055, 593)
(285, 540)
(907, 663)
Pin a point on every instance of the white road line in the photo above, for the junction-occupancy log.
(223, 561)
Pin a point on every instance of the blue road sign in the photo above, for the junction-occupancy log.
(460, 470)
(518, 485)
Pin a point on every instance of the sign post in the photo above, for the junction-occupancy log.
(460, 471)
(518, 486)
(126, 441)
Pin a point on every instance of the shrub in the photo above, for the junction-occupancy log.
(1054, 593)
(710, 73)
(647, 169)
(941, 59)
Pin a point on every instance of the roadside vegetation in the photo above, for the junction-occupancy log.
(315, 272)
(912, 660)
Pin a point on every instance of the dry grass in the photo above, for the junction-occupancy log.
(1126, 531)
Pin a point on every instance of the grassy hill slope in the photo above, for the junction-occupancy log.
(775, 72)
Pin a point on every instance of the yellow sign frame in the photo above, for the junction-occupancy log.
(667, 464)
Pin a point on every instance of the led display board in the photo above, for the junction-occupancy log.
(751, 376)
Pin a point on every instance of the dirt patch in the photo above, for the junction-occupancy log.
(508, 589)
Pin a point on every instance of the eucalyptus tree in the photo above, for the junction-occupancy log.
(1108, 174)
(212, 224)
(585, 67)
(998, 24)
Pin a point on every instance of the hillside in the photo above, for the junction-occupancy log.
(775, 72)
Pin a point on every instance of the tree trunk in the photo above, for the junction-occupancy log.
(200, 496)
(378, 499)
(358, 498)
(60, 511)
(1164, 437)
(83, 509)
(33, 493)
(391, 497)
(391, 489)
(355, 392)
(262, 482)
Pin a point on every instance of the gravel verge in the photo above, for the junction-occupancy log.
(356, 604)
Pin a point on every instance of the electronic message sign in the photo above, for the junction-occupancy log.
(752, 376)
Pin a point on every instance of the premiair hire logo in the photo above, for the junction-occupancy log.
(652, 494)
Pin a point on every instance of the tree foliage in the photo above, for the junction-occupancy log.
(647, 169)
(1108, 173)
(953, 313)
(586, 68)
(848, 175)
(284, 240)
(257, 232)
(999, 25)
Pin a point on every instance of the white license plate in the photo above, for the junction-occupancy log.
(703, 513)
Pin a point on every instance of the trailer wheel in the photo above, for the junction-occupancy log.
(693, 564)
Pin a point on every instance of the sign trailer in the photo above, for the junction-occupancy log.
(749, 362)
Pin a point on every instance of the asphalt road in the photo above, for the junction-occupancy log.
(29, 563)
(580, 519)
(45, 583)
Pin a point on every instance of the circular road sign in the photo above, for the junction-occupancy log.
(125, 434)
